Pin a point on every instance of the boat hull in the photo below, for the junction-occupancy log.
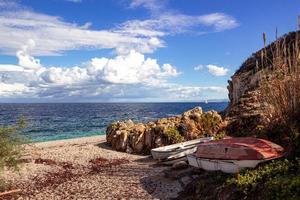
(226, 166)
(172, 161)
(177, 150)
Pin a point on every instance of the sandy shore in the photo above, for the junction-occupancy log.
(86, 168)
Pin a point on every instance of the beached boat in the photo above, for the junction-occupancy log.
(232, 154)
(176, 151)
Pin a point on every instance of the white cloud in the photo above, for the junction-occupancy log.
(74, 1)
(194, 92)
(198, 67)
(219, 21)
(8, 4)
(12, 89)
(25, 60)
(63, 76)
(152, 5)
(217, 71)
(177, 23)
(123, 77)
(10, 68)
(128, 75)
(53, 35)
(170, 22)
(169, 70)
(129, 69)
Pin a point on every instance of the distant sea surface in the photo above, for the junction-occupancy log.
(55, 121)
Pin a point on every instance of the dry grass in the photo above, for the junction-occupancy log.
(280, 85)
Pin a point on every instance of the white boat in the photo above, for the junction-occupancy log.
(179, 150)
(226, 166)
(232, 154)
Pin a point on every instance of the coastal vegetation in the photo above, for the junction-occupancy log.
(210, 122)
(173, 135)
(10, 148)
(279, 90)
(276, 180)
(264, 102)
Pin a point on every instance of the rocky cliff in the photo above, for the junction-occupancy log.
(265, 90)
(264, 98)
(264, 93)
(141, 138)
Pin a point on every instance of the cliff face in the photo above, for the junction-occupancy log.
(266, 88)
(263, 93)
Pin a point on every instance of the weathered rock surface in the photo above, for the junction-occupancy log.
(141, 138)
(266, 88)
(264, 92)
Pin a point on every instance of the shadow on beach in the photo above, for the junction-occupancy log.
(159, 181)
(104, 145)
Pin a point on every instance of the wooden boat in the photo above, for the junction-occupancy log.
(179, 150)
(232, 154)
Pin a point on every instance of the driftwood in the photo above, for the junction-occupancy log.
(10, 192)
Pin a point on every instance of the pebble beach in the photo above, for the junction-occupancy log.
(87, 168)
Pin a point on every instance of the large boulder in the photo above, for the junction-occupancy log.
(140, 138)
(117, 134)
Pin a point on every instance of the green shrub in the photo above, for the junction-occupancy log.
(284, 187)
(276, 179)
(10, 148)
(173, 135)
(287, 136)
(209, 122)
(220, 135)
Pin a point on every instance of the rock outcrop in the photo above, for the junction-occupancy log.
(141, 138)
(264, 92)
(266, 88)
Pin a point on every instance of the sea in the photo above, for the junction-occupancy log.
(56, 121)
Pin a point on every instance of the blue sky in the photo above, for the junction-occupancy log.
(131, 50)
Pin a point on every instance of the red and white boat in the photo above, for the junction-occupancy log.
(232, 154)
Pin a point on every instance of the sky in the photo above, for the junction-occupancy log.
(131, 50)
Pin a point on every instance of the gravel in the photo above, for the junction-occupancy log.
(87, 168)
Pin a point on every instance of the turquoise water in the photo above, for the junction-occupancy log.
(55, 121)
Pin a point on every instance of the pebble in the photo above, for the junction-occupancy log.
(133, 180)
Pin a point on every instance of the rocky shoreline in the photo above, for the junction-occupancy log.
(264, 98)
(140, 138)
